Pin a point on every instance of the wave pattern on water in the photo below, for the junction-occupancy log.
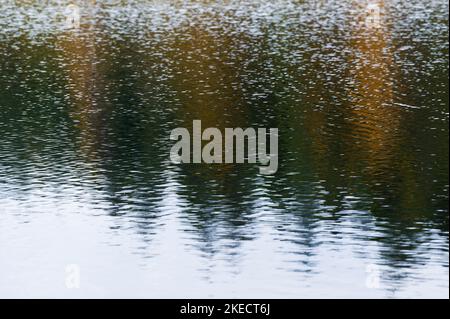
(85, 177)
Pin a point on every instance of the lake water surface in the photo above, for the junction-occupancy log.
(358, 207)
